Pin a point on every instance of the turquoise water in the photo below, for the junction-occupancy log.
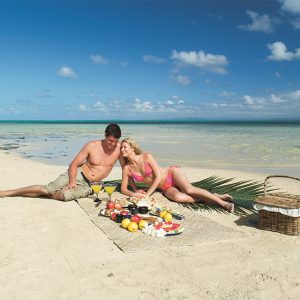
(265, 147)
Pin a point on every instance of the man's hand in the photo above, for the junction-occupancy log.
(70, 186)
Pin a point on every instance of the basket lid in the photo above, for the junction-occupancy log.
(279, 200)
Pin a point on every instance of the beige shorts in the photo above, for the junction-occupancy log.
(82, 189)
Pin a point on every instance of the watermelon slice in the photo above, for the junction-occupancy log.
(167, 226)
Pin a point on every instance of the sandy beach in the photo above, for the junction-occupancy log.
(52, 250)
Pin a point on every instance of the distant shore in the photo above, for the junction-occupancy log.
(153, 121)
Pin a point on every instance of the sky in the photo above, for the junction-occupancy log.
(149, 60)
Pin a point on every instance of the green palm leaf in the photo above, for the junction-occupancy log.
(243, 192)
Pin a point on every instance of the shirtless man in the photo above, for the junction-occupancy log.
(93, 163)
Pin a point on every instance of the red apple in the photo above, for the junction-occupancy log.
(118, 206)
(124, 213)
(110, 205)
(135, 218)
(113, 216)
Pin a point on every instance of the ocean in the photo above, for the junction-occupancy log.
(250, 146)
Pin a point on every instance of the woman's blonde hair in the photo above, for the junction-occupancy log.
(134, 145)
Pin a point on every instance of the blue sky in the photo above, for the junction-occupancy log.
(99, 60)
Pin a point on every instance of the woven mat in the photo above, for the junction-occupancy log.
(197, 229)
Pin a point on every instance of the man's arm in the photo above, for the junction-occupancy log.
(76, 162)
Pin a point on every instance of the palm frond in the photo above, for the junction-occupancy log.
(243, 192)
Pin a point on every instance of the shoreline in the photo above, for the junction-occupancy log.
(193, 173)
(255, 149)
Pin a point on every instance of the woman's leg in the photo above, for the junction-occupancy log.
(225, 197)
(180, 179)
(28, 191)
(174, 194)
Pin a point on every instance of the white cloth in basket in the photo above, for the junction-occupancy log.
(291, 212)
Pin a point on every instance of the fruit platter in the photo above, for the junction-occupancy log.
(154, 221)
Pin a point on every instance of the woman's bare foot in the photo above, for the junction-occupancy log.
(225, 197)
(229, 207)
(2, 195)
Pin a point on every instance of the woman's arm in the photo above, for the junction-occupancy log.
(157, 173)
(130, 180)
(124, 185)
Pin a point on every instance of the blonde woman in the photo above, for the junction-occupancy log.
(172, 181)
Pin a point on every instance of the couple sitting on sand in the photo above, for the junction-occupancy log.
(95, 161)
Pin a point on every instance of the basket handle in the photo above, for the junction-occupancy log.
(272, 176)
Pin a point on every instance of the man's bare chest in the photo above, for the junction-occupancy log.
(102, 159)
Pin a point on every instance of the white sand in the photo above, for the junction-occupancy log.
(51, 250)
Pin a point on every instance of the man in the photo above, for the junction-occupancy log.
(94, 162)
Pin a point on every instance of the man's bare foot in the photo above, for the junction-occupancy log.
(225, 197)
(229, 207)
(2, 195)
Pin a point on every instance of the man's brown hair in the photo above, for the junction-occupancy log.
(114, 130)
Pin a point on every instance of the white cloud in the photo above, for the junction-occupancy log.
(279, 52)
(153, 59)
(83, 107)
(177, 99)
(276, 99)
(93, 95)
(99, 59)
(296, 23)
(288, 99)
(142, 106)
(174, 104)
(248, 100)
(254, 101)
(163, 108)
(174, 100)
(226, 94)
(261, 23)
(209, 62)
(291, 5)
(294, 96)
(170, 102)
(277, 74)
(183, 80)
(67, 72)
(98, 104)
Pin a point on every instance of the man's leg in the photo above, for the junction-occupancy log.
(28, 191)
(58, 195)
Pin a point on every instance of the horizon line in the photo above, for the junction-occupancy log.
(178, 120)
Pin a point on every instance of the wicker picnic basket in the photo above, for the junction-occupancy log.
(283, 205)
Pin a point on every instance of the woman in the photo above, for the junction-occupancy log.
(172, 181)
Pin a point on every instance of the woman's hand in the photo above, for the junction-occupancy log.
(139, 195)
(140, 191)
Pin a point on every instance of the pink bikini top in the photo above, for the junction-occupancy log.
(147, 172)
